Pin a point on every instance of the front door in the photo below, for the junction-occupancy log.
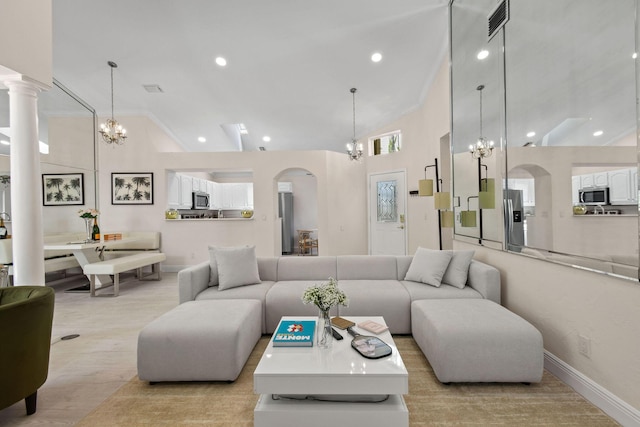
(387, 207)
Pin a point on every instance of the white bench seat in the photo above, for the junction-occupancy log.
(117, 265)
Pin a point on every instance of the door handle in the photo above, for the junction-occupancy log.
(401, 227)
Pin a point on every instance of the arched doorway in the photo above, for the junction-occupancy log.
(297, 207)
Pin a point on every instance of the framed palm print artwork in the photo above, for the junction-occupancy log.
(63, 189)
(134, 188)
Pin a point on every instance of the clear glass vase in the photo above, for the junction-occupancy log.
(88, 229)
(324, 335)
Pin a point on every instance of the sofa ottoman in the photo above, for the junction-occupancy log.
(477, 340)
(200, 341)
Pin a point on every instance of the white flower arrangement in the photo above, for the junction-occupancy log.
(88, 213)
(325, 295)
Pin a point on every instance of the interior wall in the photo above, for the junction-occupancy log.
(30, 23)
(421, 133)
(564, 302)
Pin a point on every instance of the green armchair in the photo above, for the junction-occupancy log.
(26, 314)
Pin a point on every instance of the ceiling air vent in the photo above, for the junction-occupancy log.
(262, 149)
(153, 88)
(497, 18)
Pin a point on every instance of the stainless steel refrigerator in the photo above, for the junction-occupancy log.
(285, 212)
(514, 220)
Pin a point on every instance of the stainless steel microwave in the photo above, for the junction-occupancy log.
(200, 200)
(594, 196)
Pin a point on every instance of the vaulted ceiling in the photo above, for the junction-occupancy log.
(290, 65)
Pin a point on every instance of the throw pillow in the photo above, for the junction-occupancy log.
(428, 266)
(213, 267)
(458, 269)
(237, 267)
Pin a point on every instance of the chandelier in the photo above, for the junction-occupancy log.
(112, 132)
(354, 150)
(482, 148)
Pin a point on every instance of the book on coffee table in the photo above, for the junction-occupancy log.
(294, 333)
(371, 326)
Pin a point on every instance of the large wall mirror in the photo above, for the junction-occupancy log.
(66, 128)
(559, 103)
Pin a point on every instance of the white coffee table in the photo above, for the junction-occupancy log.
(318, 387)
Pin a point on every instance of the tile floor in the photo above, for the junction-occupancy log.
(86, 370)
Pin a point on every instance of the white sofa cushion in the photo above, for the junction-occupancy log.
(428, 266)
(458, 269)
(237, 267)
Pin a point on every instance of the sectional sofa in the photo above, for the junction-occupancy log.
(449, 302)
(375, 285)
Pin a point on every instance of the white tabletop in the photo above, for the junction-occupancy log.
(80, 245)
(339, 370)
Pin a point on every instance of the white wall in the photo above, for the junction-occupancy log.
(563, 302)
(421, 133)
(26, 26)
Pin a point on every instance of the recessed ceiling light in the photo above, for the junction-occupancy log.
(635, 55)
(598, 133)
(531, 134)
(266, 138)
(376, 57)
(202, 139)
(482, 54)
(4, 142)
(221, 61)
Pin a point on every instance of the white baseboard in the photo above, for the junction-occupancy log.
(612, 405)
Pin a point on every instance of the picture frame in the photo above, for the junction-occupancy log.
(132, 188)
(62, 189)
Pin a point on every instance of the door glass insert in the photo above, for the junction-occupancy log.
(387, 201)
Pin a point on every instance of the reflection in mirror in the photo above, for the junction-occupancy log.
(66, 130)
(568, 112)
(476, 114)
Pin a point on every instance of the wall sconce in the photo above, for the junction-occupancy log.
(468, 217)
(446, 219)
(442, 201)
(487, 194)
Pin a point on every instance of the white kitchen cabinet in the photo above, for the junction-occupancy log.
(601, 179)
(586, 181)
(575, 189)
(186, 189)
(622, 190)
(236, 195)
(211, 189)
(173, 190)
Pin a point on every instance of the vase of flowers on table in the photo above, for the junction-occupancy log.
(325, 296)
(89, 215)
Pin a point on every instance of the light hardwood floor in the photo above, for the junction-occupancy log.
(86, 370)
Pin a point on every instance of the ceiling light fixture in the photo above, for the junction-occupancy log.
(112, 132)
(221, 61)
(482, 148)
(598, 133)
(266, 138)
(531, 134)
(376, 57)
(635, 55)
(483, 54)
(202, 139)
(354, 149)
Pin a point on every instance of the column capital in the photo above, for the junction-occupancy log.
(27, 84)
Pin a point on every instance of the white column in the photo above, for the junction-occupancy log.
(26, 186)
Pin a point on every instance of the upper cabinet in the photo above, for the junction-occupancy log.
(622, 183)
(235, 195)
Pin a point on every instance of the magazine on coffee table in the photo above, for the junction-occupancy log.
(294, 333)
